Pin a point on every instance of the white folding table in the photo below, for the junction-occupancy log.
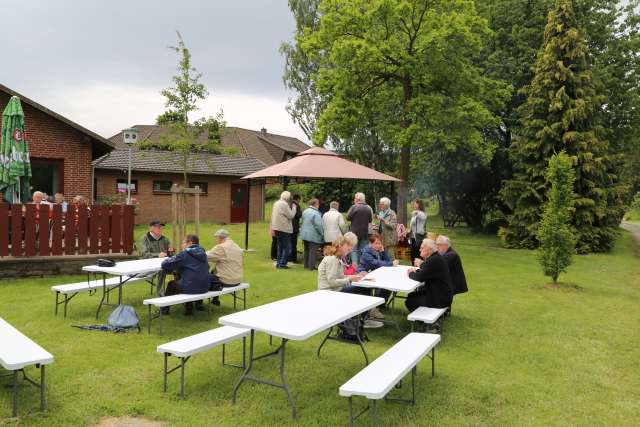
(394, 279)
(138, 267)
(297, 318)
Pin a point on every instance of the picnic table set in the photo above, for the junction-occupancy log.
(297, 318)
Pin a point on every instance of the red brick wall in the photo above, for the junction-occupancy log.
(214, 207)
(49, 138)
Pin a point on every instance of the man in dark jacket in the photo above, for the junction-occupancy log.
(434, 273)
(458, 280)
(192, 268)
(360, 215)
(295, 221)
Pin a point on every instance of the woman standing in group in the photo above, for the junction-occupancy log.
(417, 227)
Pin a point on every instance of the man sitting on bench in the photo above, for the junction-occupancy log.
(434, 274)
(228, 257)
(193, 269)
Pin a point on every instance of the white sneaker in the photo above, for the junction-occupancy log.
(375, 313)
(372, 324)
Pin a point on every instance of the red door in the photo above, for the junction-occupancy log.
(238, 202)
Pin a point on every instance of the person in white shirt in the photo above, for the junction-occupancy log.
(333, 223)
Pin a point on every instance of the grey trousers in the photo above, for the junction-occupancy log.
(310, 251)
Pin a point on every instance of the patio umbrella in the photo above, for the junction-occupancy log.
(15, 167)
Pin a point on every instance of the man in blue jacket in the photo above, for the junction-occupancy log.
(192, 268)
(372, 258)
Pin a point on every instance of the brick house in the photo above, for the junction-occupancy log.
(224, 199)
(61, 151)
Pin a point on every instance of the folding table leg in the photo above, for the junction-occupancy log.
(294, 411)
(55, 311)
(245, 374)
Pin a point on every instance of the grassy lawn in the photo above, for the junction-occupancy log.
(514, 352)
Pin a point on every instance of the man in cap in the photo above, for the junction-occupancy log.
(153, 243)
(228, 257)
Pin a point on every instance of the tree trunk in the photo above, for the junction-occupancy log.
(404, 184)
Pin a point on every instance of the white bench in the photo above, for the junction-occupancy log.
(186, 347)
(16, 353)
(378, 378)
(72, 289)
(428, 316)
(170, 300)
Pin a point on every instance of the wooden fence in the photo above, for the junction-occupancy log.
(28, 230)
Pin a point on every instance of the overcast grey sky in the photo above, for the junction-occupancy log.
(103, 63)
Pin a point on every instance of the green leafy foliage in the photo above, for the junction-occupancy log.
(562, 113)
(555, 234)
(404, 71)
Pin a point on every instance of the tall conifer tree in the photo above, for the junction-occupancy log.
(561, 113)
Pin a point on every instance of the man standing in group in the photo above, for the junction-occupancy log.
(388, 221)
(229, 259)
(295, 222)
(281, 217)
(333, 223)
(311, 233)
(458, 279)
(361, 215)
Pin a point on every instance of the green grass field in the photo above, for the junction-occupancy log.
(515, 352)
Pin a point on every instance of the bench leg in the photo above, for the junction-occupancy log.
(15, 393)
(244, 299)
(55, 311)
(350, 411)
(413, 386)
(374, 414)
(166, 357)
(160, 315)
(42, 402)
(182, 362)
(149, 319)
(433, 362)
(234, 300)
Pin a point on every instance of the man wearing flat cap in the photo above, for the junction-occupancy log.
(228, 257)
(153, 243)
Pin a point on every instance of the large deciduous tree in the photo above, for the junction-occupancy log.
(407, 67)
(562, 112)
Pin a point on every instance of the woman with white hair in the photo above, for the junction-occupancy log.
(387, 223)
(281, 216)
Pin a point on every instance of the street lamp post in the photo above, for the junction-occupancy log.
(130, 137)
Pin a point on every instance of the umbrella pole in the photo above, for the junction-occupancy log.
(246, 220)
